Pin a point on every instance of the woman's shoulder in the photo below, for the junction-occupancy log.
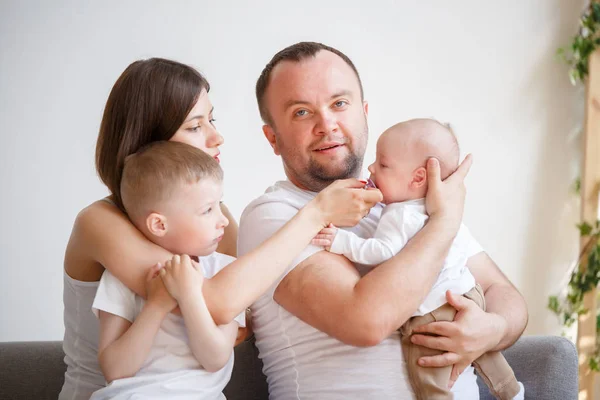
(91, 223)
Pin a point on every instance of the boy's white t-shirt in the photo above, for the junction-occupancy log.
(300, 361)
(398, 224)
(170, 370)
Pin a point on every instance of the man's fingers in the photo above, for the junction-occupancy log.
(463, 169)
(350, 183)
(441, 328)
(433, 171)
(441, 360)
(457, 369)
(328, 231)
(433, 342)
(457, 301)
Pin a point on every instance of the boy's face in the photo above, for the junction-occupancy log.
(394, 172)
(195, 223)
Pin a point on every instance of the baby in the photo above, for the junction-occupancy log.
(399, 172)
(172, 193)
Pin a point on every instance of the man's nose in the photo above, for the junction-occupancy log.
(327, 123)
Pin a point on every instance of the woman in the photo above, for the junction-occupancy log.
(153, 100)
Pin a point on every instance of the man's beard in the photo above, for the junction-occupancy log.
(317, 177)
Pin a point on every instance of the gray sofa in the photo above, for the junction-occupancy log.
(546, 365)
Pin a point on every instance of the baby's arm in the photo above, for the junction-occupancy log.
(395, 229)
(211, 344)
(124, 346)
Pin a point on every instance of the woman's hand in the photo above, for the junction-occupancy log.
(182, 276)
(345, 202)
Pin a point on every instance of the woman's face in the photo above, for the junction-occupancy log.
(198, 129)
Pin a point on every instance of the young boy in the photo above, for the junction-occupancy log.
(171, 192)
(399, 173)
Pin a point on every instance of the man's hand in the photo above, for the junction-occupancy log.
(182, 276)
(325, 237)
(472, 333)
(446, 199)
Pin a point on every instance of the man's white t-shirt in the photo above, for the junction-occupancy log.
(170, 371)
(301, 362)
(398, 224)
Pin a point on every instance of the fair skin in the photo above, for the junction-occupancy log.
(190, 222)
(399, 170)
(325, 290)
(103, 237)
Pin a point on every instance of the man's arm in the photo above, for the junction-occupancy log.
(473, 331)
(501, 297)
(326, 291)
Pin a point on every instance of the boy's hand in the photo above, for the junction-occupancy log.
(158, 294)
(325, 237)
(182, 276)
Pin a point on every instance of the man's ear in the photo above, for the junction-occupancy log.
(419, 178)
(366, 107)
(157, 224)
(270, 135)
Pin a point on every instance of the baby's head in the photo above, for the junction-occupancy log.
(172, 192)
(399, 170)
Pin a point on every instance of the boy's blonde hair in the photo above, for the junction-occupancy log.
(153, 174)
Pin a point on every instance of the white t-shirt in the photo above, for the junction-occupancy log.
(398, 224)
(301, 362)
(170, 370)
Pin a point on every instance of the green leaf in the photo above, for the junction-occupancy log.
(584, 229)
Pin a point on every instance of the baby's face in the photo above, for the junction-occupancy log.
(195, 222)
(393, 170)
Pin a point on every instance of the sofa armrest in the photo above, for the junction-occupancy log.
(546, 365)
(31, 370)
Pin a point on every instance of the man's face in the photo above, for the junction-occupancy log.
(319, 121)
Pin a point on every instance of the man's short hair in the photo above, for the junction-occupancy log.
(155, 172)
(296, 52)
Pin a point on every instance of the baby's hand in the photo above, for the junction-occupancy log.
(182, 276)
(157, 292)
(325, 237)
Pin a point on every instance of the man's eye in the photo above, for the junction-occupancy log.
(301, 113)
(340, 103)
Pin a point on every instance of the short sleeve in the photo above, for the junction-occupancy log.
(472, 246)
(260, 223)
(114, 297)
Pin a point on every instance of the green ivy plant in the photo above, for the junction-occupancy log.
(584, 43)
(585, 277)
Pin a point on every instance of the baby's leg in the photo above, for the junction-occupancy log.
(492, 367)
(427, 383)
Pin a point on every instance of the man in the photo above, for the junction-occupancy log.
(324, 331)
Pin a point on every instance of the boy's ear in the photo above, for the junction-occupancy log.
(156, 224)
(270, 135)
(419, 178)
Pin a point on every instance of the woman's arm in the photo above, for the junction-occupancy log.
(103, 236)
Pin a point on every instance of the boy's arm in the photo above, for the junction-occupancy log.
(211, 344)
(394, 230)
(123, 347)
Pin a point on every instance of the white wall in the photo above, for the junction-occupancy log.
(488, 67)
